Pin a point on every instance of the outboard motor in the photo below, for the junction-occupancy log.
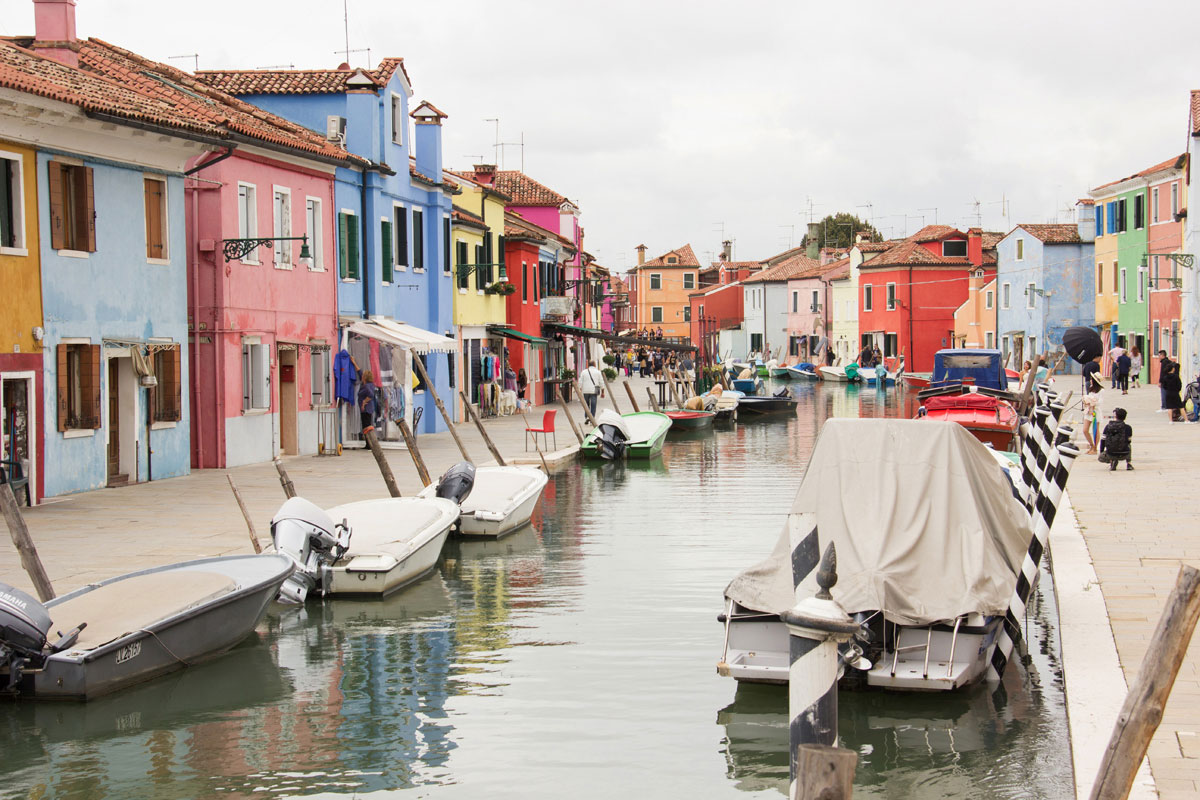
(612, 434)
(24, 624)
(457, 482)
(306, 534)
(784, 393)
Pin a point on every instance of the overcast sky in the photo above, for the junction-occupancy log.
(668, 122)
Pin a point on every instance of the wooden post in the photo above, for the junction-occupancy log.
(384, 468)
(824, 773)
(724, 376)
(612, 397)
(24, 543)
(482, 431)
(410, 442)
(632, 402)
(536, 446)
(1147, 698)
(674, 392)
(579, 393)
(289, 489)
(567, 412)
(653, 402)
(440, 406)
(245, 514)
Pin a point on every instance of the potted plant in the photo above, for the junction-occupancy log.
(610, 374)
(566, 376)
(501, 288)
(609, 359)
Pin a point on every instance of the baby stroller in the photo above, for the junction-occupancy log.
(1191, 394)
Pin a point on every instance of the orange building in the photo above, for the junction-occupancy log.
(661, 287)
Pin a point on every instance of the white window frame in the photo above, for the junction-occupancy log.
(1141, 284)
(1174, 199)
(989, 339)
(21, 247)
(655, 276)
(658, 309)
(320, 367)
(689, 280)
(989, 299)
(399, 121)
(1030, 295)
(281, 223)
(868, 301)
(256, 376)
(890, 296)
(1006, 295)
(816, 301)
(316, 235)
(248, 218)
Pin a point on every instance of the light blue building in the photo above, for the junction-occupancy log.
(392, 217)
(1045, 283)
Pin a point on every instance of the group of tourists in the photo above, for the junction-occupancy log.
(648, 333)
(651, 362)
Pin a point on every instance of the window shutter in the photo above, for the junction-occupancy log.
(343, 248)
(62, 383)
(352, 269)
(503, 261)
(89, 385)
(58, 239)
(177, 390)
(88, 226)
(445, 244)
(479, 255)
(402, 236)
(385, 238)
(418, 239)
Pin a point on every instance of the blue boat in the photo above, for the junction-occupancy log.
(748, 386)
(983, 368)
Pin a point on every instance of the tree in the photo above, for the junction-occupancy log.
(838, 230)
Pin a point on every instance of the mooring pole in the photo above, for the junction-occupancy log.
(245, 514)
(653, 402)
(289, 489)
(385, 469)
(612, 396)
(482, 431)
(437, 401)
(410, 442)
(632, 402)
(817, 624)
(562, 400)
(586, 411)
(24, 543)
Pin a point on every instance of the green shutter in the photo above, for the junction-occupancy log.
(343, 226)
(352, 256)
(385, 237)
(479, 274)
(503, 261)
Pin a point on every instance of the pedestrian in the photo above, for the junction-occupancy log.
(1114, 354)
(522, 382)
(1117, 443)
(368, 401)
(1091, 376)
(688, 365)
(1135, 366)
(1163, 363)
(1091, 420)
(1124, 362)
(864, 358)
(589, 383)
(1171, 385)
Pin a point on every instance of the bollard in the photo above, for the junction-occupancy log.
(816, 626)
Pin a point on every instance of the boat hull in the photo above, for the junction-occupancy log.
(477, 525)
(651, 435)
(781, 373)
(767, 405)
(691, 420)
(915, 381)
(747, 385)
(382, 574)
(834, 374)
(502, 500)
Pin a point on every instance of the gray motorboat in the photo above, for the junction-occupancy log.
(135, 627)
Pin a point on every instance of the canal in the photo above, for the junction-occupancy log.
(574, 657)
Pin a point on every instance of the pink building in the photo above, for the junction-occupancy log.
(809, 298)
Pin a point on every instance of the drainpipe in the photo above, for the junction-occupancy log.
(911, 343)
(363, 249)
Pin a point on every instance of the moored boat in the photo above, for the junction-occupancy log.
(847, 374)
(690, 420)
(781, 402)
(991, 420)
(748, 386)
(637, 435)
(726, 407)
(917, 380)
(501, 500)
(781, 373)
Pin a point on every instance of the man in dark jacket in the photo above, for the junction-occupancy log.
(1117, 441)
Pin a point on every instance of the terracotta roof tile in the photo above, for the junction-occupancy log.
(794, 267)
(462, 215)
(1171, 163)
(517, 226)
(298, 81)
(686, 258)
(1053, 233)
(525, 191)
(874, 247)
(932, 233)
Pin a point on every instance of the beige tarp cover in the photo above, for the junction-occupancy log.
(925, 524)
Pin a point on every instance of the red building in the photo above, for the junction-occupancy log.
(1167, 206)
(714, 309)
(908, 293)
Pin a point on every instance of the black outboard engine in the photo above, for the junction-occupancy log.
(306, 534)
(612, 434)
(458, 482)
(784, 393)
(24, 624)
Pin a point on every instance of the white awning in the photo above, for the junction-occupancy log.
(401, 334)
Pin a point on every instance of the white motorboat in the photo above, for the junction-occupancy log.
(376, 546)
(943, 502)
(838, 375)
(502, 499)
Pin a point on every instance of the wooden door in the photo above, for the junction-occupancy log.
(114, 419)
(288, 412)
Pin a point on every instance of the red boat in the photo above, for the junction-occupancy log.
(916, 380)
(989, 419)
(690, 420)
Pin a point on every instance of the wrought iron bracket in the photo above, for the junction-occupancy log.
(237, 249)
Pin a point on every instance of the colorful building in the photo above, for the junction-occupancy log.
(1189, 311)
(662, 287)
(975, 319)
(1167, 210)
(843, 304)
(717, 322)
(767, 302)
(810, 296)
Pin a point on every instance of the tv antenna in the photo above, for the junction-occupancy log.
(195, 60)
(791, 235)
(934, 210)
(346, 20)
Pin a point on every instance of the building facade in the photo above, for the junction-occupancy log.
(1167, 212)
(663, 286)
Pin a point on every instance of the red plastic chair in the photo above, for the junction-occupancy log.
(547, 428)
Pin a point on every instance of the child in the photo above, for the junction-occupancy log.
(1091, 420)
(1117, 441)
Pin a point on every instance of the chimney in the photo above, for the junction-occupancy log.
(485, 174)
(975, 246)
(1085, 219)
(54, 31)
(862, 236)
(428, 139)
(812, 240)
(726, 250)
(641, 251)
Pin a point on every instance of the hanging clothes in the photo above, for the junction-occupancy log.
(376, 370)
(344, 376)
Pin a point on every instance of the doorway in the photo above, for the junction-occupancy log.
(19, 426)
(288, 438)
(114, 425)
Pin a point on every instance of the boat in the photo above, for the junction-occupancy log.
(877, 376)
(929, 574)
(726, 406)
(780, 402)
(690, 420)
(980, 367)
(376, 547)
(763, 369)
(132, 628)
(991, 420)
(917, 380)
(803, 372)
(637, 435)
(847, 374)
(501, 499)
(748, 386)
(781, 373)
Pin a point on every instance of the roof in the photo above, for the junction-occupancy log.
(118, 83)
(525, 191)
(932, 233)
(457, 176)
(685, 255)
(516, 226)
(428, 109)
(1176, 162)
(463, 216)
(300, 81)
(1195, 112)
(1062, 233)
(874, 247)
(796, 266)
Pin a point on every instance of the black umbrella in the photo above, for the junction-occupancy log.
(1082, 343)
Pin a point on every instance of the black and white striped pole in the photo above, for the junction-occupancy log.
(817, 626)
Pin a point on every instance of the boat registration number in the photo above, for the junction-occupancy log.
(129, 652)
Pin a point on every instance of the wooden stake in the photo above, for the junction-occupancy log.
(385, 469)
(653, 402)
(536, 446)
(587, 411)
(289, 488)
(567, 412)
(674, 392)
(482, 431)
(1147, 698)
(824, 773)
(410, 442)
(440, 406)
(245, 514)
(24, 543)
(612, 397)
(632, 402)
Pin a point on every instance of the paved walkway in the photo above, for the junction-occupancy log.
(1139, 527)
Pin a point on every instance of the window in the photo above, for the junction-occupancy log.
(398, 119)
(756, 341)
(400, 234)
(689, 280)
(348, 245)
(168, 394)
(1020, 249)
(12, 201)
(702, 311)
(489, 258)
(1006, 295)
(988, 299)
(954, 248)
(72, 208)
(418, 234)
(420, 374)
(1005, 347)
(387, 250)
(1154, 271)
(460, 264)
(1122, 217)
(656, 314)
(891, 297)
(1155, 342)
(655, 280)
(868, 296)
(1154, 204)
(1139, 211)
(1111, 215)
(78, 386)
(1100, 278)
(890, 348)
(247, 218)
(687, 313)
(314, 228)
(1099, 220)
(795, 302)
(1030, 295)
(524, 282)
(990, 340)
(320, 363)
(445, 245)
(1174, 199)
(1124, 287)
(480, 277)
(816, 301)
(1114, 277)
(672, 260)
(503, 259)
(256, 371)
(154, 191)
(282, 214)
(1141, 284)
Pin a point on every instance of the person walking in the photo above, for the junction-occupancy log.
(589, 383)
(1117, 442)
(1171, 385)
(368, 401)
(1163, 363)
(1124, 362)
(1135, 367)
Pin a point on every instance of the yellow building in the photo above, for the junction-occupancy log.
(843, 318)
(1107, 284)
(480, 282)
(21, 321)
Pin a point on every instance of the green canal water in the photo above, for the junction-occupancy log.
(574, 658)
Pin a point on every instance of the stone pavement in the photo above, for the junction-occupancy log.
(1139, 527)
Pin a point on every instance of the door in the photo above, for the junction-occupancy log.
(114, 420)
(288, 436)
(19, 435)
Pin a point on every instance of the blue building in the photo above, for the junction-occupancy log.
(1046, 283)
(392, 217)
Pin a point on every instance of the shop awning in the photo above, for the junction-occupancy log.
(520, 336)
(592, 333)
(401, 334)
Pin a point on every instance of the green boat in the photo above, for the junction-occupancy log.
(639, 435)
